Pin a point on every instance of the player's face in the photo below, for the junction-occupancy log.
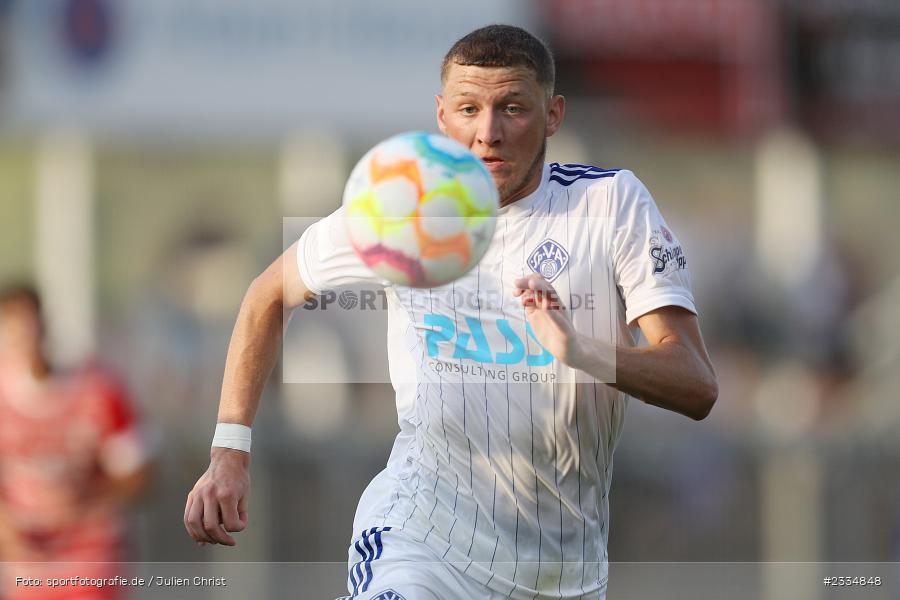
(20, 330)
(505, 117)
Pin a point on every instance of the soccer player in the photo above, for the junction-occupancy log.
(497, 485)
(71, 458)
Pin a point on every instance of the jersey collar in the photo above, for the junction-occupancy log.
(526, 203)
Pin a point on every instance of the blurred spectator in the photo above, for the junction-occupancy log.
(71, 458)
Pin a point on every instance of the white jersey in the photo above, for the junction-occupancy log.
(504, 460)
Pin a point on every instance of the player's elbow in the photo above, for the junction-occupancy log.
(279, 286)
(266, 290)
(705, 397)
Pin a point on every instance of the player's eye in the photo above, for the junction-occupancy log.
(467, 110)
(513, 110)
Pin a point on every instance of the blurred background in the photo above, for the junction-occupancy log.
(150, 152)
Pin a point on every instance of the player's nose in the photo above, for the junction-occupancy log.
(488, 132)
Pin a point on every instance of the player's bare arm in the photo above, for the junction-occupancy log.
(116, 490)
(218, 503)
(673, 371)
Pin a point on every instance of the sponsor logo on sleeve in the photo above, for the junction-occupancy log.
(666, 234)
(666, 254)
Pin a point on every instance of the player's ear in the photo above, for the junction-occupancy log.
(556, 110)
(439, 108)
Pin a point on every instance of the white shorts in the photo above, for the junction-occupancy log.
(387, 563)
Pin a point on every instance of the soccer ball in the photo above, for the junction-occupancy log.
(420, 209)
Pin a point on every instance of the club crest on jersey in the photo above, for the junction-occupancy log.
(388, 595)
(548, 259)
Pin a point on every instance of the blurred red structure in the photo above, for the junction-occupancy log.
(701, 65)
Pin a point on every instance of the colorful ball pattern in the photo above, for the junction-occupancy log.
(421, 209)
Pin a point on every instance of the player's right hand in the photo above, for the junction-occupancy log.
(218, 503)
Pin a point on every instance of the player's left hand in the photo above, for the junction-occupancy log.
(549, 318)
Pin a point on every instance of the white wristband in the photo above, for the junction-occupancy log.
(232, 435)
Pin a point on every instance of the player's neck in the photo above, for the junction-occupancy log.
(35, 367)
(40, 368)
(528, 187)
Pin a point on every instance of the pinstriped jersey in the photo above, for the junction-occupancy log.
(504, 460)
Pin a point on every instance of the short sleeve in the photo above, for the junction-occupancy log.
(650, 266)
(326, 260)
(122, 446)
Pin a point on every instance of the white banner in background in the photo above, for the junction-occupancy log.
(234, 66)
